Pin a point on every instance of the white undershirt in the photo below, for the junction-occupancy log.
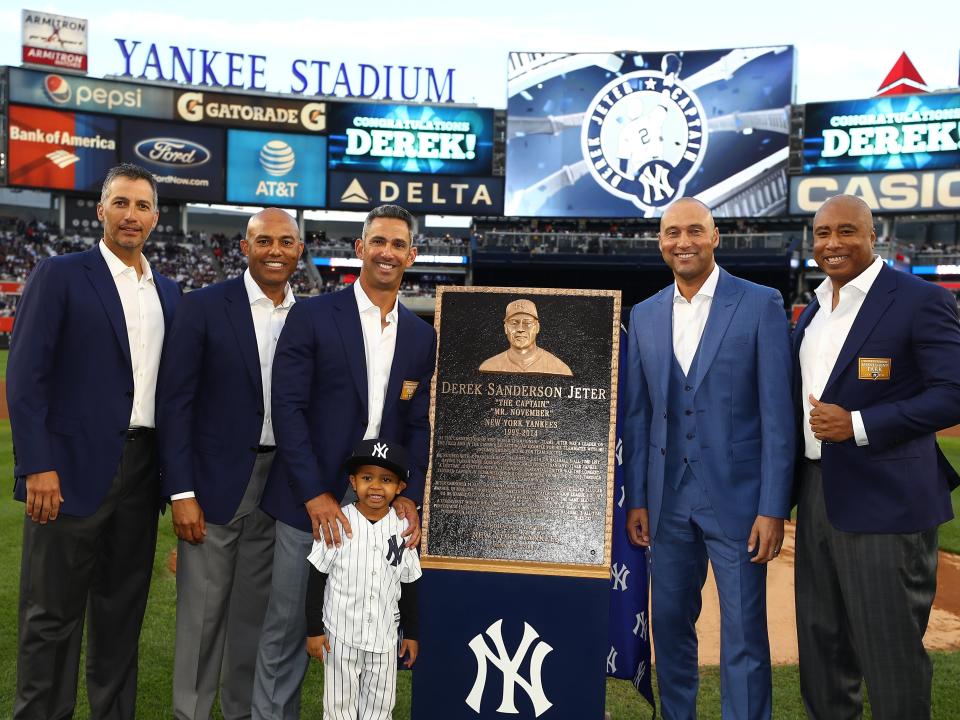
(822, 342)
(379, 345)
(143, 316)
(690, 318)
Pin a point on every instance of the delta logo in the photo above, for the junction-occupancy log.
(57, 89)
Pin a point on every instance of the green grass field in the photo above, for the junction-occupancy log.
(156, 654)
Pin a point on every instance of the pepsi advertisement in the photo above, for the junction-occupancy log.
(187, 161)
(423, 139)
(624, 134)
(882, 134)
(268, 168)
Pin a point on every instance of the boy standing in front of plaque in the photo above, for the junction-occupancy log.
(359, 592)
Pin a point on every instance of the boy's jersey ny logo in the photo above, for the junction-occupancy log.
(395, 550)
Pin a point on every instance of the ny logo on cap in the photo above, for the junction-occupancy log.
(380, 450)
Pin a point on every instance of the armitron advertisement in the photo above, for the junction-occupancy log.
(187, 161)
(884, 134)
(62, 150)
(625, 134)
(276, 169)
(424, 139)
(54, 40)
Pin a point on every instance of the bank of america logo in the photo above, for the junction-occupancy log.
(277, 158)
(62, 158)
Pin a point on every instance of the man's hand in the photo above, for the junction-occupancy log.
(188, 521)
(830, 423)
(638, 526)
(407, 508)
(43, 496)
(766, 536)
(316, 645)
(409, 648)
(324, 511)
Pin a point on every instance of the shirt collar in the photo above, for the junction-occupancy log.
(116, 266)
(364, 303)
(862, 282)
(254, 293)
(708, 289)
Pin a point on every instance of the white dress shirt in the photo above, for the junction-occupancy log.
(379, 344)
(822, 342)
(690, 318)
(143, 316)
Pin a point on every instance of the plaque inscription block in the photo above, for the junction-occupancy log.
(523, 407)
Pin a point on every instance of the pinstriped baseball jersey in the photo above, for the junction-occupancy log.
(363, 588)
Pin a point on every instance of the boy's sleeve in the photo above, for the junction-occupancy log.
(323, 557)
(410, 563)
(316, 584)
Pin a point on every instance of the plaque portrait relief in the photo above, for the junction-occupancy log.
(521, 325)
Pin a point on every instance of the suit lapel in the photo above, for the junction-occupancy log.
(347, 319)
(106, 289)
(404, 340)
(797, 340)
(240, 316)
(875, 304)
(663, 337)
(725, 301)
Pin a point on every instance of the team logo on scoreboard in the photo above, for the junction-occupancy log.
(57, 89)
(644, 136)
(172, 152)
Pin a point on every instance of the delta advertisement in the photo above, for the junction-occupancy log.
(423, 139)
(894, 133)
(441, 194)
(625, 134)
(187, 161)
(61, 150)
(276, 169)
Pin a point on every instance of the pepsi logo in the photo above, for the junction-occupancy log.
(57, 89)
(277, 158)
(172, 152)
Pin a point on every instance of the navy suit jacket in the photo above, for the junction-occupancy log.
(70, 377)
(742, 387)
(900, 482)
(210, 399)
(319, 397)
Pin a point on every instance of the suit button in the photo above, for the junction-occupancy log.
(664, 416)
(690, 436)
(688, 412)
(663, 451)
(684, 461)
(688, 388)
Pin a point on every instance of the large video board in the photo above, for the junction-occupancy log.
(883, 134)
(423, 139)
(60, 150)
(625, 134)
(265, 168)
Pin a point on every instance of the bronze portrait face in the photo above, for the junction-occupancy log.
(521, 325)
(521, 331)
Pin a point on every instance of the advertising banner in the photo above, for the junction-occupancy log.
(252, 111)
(60, 150)
(187, 161)
(424, 139)
(70, 92)
(882, 134)
(418, 193)
(55, 40)
(902, 192)
(276, 169)
(625, 134)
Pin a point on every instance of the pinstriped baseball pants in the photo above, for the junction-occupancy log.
(357, 684)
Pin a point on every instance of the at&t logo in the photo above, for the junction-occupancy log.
(644, 136)
(277, 159)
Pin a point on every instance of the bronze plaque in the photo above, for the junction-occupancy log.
(523, 407)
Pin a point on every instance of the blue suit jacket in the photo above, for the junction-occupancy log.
(742, 388)
(900, 482)
(210, 399)
(319, 399)
(70, 378)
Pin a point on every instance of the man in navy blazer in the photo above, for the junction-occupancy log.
(81, 381)
(877, 374)
(350, 365)
(217, 447)
(708, 444)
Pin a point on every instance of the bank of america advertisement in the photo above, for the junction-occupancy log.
(882, 134)
(60, 150)
(625, 134)
(423, 139)
(266, 168)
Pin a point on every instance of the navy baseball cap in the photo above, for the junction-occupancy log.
(382, 453)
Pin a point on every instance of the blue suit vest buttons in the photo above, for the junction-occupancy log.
(663, 451)
(690, 436)
(688, 388)
(688, 412)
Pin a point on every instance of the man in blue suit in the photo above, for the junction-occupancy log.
(349, 366)
(878, 373)
(217, 446)
(81, 382)
(708, 443)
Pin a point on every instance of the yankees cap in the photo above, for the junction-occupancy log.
(382, 453)
(521, 306)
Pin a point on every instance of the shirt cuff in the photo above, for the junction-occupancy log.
(859, 431)
(183, 495)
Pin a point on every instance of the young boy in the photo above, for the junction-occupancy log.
(352, 626)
